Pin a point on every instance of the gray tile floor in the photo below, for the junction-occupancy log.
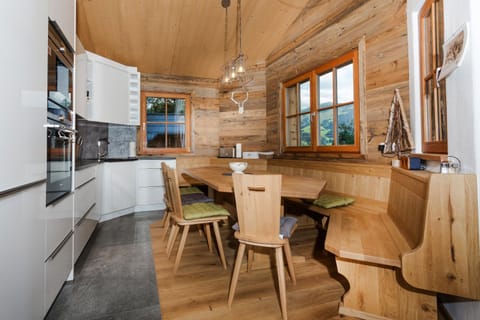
(114, 276)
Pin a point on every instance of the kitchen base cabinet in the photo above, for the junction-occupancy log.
(22, 232)
(57, 269)
(117, 189)
(150, 184)
(85, 213)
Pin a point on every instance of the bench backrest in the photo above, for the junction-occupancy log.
(407, 205)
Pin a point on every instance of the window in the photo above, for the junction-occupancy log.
(165, 120)
(433, 99)
(321, 108)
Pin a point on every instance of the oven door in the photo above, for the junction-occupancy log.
(59, 161)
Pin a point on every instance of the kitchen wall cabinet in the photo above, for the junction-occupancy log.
(150, 184)
(85, 213)
(109, 92)
(117, 189)
(63, 13)
(24, 92)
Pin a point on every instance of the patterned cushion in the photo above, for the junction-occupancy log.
(330, 201)
(286, 226)
(203, 210)
(190, 198)
(189, 190)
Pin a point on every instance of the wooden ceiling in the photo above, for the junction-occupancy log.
(185, 37)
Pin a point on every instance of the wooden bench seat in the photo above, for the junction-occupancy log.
(363, 237)
(387, 257)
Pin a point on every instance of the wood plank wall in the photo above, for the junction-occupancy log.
(383, 24)
(215, 118)
(205, 107)
(248, 128)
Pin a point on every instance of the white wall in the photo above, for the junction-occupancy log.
(463, 100)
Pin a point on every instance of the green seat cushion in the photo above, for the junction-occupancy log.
(203, 210)
(331, 201)
(189, 190)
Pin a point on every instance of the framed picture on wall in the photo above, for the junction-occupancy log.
(454, 51)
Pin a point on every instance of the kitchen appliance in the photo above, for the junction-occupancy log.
(226, 152)
(60, 75)
(60, 131)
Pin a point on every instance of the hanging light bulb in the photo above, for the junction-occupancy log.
(233, 72)
(240, 64)
(226, 74)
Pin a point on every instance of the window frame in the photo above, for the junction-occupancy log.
(433, 146)
(312, 76)
(143, 149)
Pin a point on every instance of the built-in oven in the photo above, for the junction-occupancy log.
(60, 129)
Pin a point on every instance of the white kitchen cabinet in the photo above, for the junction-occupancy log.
(150, 184)
(57, 268)
(22, 232)
(85, 214)
(63, 13)
(118, 189)
(112, 91)
(24, 92)
(80, 83)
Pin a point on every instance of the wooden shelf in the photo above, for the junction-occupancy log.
(430, 156)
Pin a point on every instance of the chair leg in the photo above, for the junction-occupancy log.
(208, 235)
(181, 247)
(166, 225)
(281, 281)
(236, 273)
(172, 238)
(250, 256)
(164, 218)
(219, 243)
(288, 256)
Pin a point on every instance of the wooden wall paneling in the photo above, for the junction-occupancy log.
(206, 126)
(376, 20)
(205, 107)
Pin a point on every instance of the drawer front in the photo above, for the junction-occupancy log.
(151, 195)
(58, 223)
(85, 197)
(57, 269)
(83, 231)
(147, 177)
(154, 164)
(83, 175)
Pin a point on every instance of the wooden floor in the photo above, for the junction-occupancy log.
(200, 288)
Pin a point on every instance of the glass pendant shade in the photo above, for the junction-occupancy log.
(240, 64)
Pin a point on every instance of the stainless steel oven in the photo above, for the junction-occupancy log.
(60, 131)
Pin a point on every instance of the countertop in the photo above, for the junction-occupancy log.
(85, 163)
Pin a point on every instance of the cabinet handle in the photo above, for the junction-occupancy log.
(60, 246)
(85, 215)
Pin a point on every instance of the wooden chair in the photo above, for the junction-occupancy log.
(188, 195)
(198, 214)
(258, 201)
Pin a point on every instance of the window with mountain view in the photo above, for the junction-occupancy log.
(321, 108)
(165, 120)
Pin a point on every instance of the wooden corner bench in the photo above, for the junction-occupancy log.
(395, 260)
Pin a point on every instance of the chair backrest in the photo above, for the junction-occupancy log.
(167, 197)
(258, 201)
(175, 196)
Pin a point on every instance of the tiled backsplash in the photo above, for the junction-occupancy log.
(120, 137)
(114, 139)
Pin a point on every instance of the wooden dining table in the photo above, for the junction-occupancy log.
(220, 180)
